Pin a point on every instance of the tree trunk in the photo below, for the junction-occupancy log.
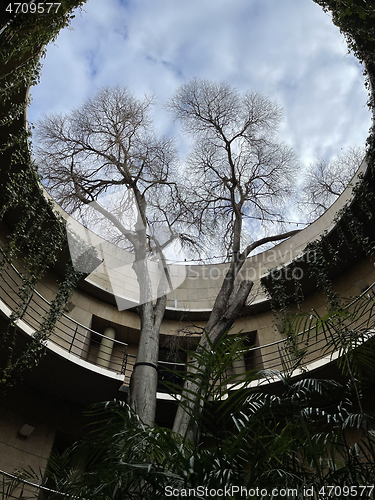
(221, 320)
(228, 304)
(144, 380)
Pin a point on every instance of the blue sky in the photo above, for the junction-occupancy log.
(288, 49)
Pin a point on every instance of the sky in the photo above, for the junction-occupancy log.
(287, 49)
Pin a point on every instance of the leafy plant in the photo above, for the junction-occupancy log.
(296, 436)
(37, 234)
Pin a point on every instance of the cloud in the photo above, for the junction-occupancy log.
(287, 49)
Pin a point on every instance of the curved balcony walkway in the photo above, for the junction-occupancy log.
(109, 356)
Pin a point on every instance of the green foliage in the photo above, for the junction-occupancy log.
(356, 20)
(37, 235)
(214, 382)
(23, 44)
(346, 331)
(295, 438)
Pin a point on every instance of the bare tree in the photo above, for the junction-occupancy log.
(107, 147)
(326, 180)
(238, 171)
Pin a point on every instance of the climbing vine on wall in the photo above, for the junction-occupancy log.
(356, 20)
(37, 234)
(353, 234)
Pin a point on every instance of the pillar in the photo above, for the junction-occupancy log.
(106, 347)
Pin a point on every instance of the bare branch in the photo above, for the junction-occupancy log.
(238, 167)
(105, 161)
(325, 181)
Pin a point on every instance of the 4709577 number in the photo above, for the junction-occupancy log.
(346, 491)
(32, 8)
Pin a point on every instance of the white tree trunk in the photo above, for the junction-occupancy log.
(144, 380)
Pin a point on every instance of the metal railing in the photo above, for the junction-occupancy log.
(68, 334)
(87, 344)
(16, 486)
(274, 354)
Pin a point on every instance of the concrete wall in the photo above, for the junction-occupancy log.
(93, 306)
(196, 286)
(21, 452)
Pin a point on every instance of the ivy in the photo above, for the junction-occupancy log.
(37, 235)
(16, 364)
(356, 20)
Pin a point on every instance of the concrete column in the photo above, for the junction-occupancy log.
(239, 366)
(86, 345)
(106, 347)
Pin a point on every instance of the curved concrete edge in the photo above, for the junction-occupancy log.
(298, 372)
(208, 277)
(28, 330)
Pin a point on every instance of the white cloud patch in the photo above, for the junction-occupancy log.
(287, 49)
